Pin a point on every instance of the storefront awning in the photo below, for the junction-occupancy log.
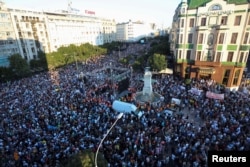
(203, 70)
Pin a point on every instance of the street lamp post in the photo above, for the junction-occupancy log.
(111, 79)
(98, 148)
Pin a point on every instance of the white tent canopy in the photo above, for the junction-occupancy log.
(166, 71)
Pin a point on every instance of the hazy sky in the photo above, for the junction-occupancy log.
(157, 11)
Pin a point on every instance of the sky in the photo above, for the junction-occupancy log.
(160, 12)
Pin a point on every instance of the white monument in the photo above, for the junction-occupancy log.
(147, 94)
(147, 88)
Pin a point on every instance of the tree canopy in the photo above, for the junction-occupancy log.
(157, 62)
(19, 66)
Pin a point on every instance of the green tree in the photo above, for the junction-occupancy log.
(85, 159)
(157, 62)
(41, 62)
(137, 65)
(19, 66)
(160, 45)
(6, 74)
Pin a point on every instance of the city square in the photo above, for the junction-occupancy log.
(48, 120)
(82, 90)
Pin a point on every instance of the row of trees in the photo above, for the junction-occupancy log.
(20, 68)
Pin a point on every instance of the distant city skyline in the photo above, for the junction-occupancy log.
(160, 12)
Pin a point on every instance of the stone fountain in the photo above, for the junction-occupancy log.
(147, 95)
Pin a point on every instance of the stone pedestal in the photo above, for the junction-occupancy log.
(147, 95)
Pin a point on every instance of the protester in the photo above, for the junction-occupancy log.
(53, 115)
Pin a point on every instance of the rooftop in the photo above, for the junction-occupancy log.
(192, 4)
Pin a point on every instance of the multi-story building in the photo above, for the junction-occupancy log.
(109, 30)
(30, 30)
(27, 32)
(133, 31)
(65, 29)
(8, 42)
(210, 39)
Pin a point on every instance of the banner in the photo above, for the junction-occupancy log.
(195, 91)
(214, 95)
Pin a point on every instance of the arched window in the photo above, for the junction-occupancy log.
(215, 7)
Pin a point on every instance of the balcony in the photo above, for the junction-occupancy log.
(207, 63)
(217, 27)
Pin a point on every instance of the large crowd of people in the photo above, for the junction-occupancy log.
(54, 115)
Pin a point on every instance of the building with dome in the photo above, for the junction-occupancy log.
(210, 39)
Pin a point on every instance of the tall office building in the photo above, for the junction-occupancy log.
(27, 32)
(210, 39)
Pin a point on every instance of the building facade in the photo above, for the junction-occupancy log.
(210, 39)
(27, 32)
(8, 39)
(133, 31)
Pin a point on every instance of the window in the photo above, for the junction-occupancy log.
(241, 57)
(188, 54)
(246, 38)
(203, 21)
(218, 56)
(183, 10)
(29, 34)
(33, 50)
(237, 20)
(221, 38)
(181, 38)
(198, 56)
(190, 38)
(191, 23)
(246, 57)
(230, 56)
(200, 40)
(223, 20)
(234, 38)
(236, 77)
(226, 77)
(216, 7)
(24, 50)
(182, 23)
(180, 54)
